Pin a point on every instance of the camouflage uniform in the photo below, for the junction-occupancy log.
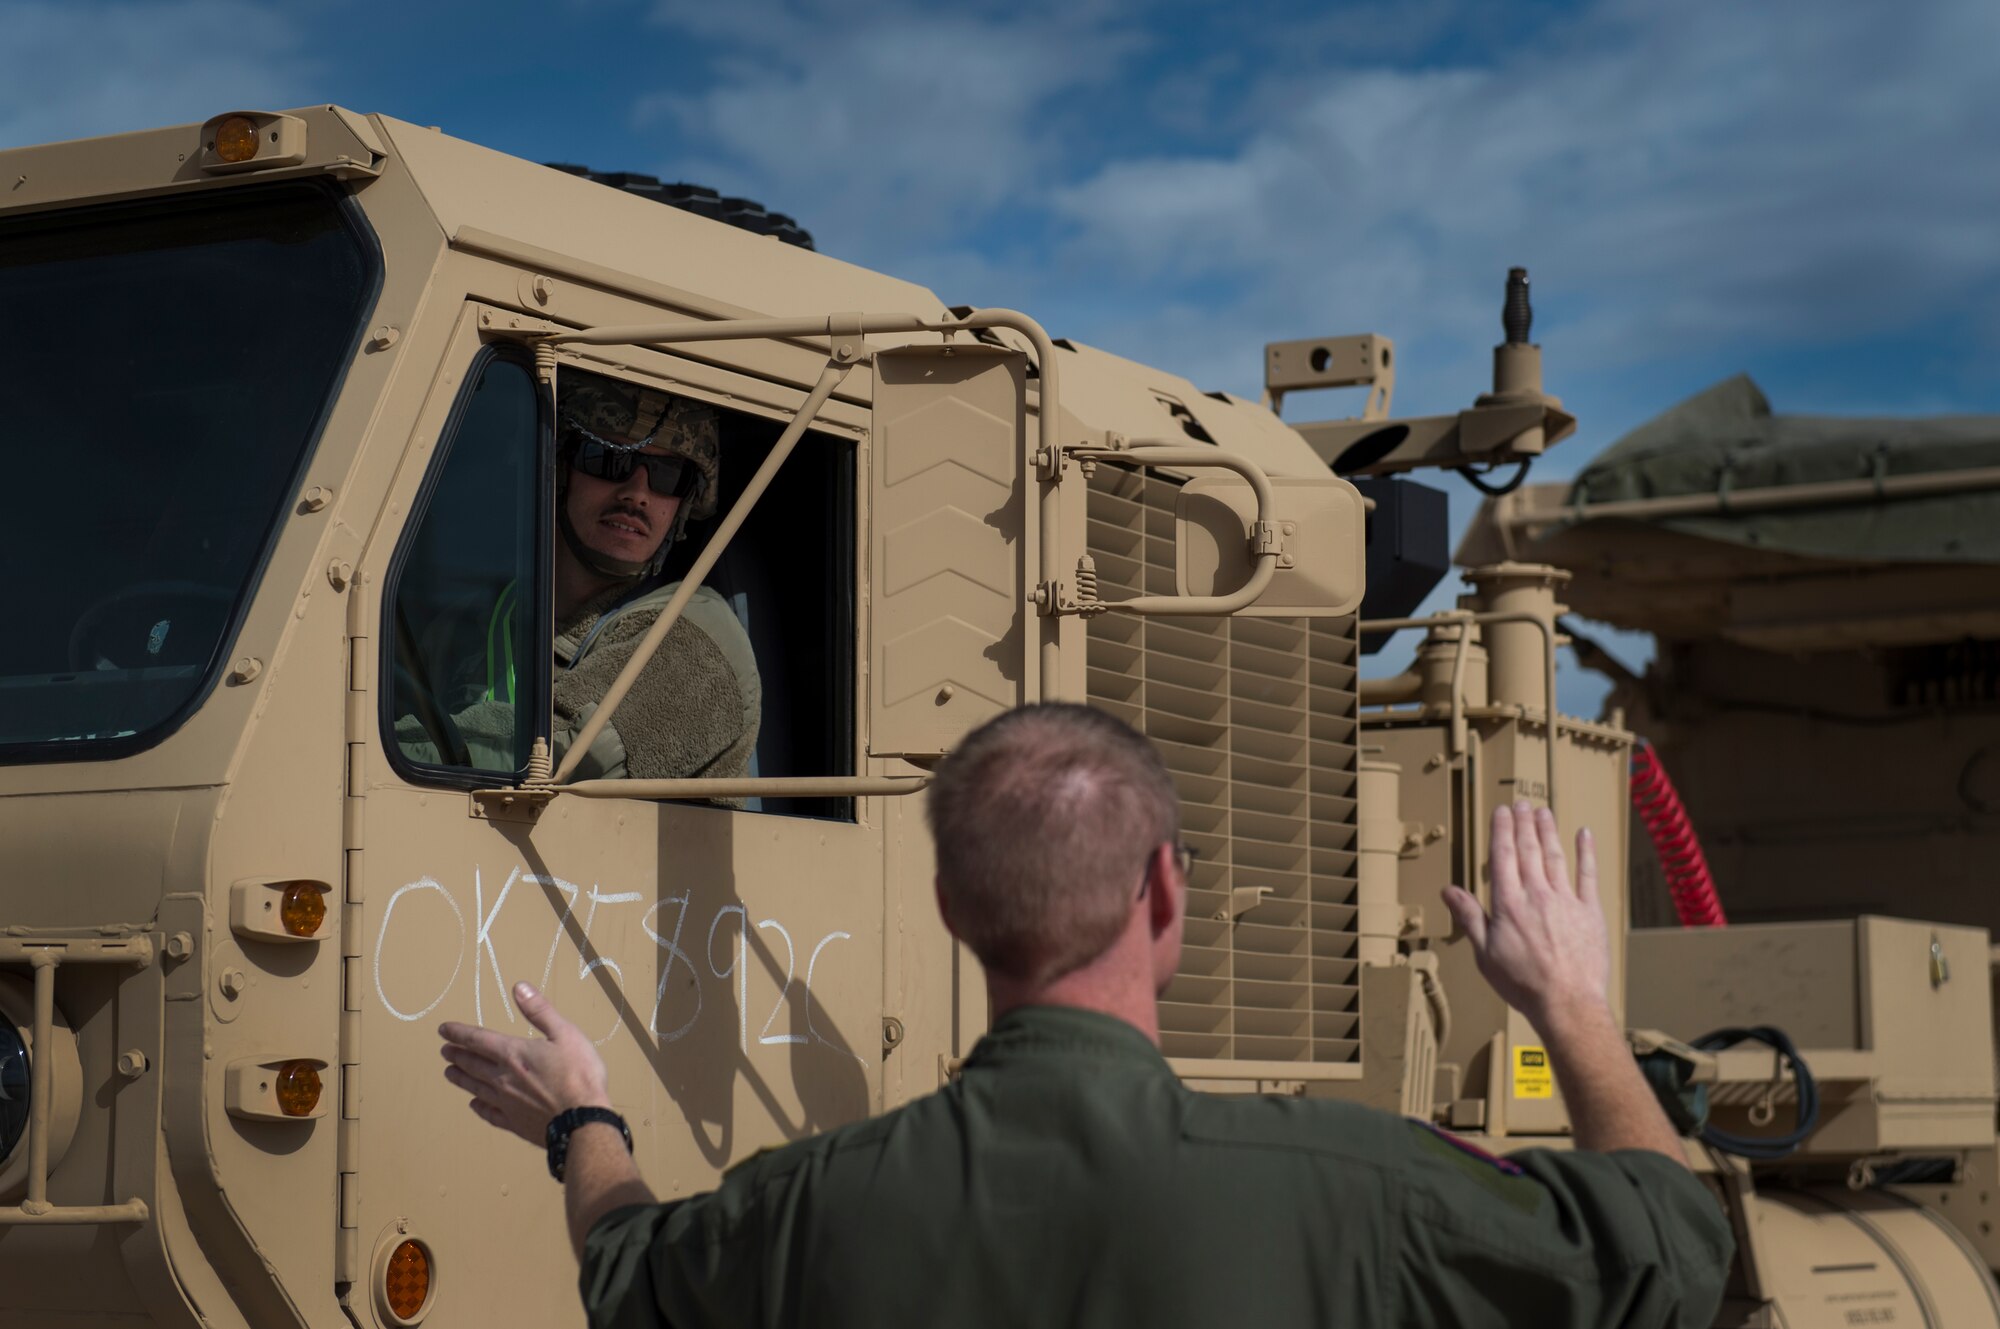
(694, 709)
(1067, 1177)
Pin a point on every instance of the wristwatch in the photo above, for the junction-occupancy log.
(567, 1121)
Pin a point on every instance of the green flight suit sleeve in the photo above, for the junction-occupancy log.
(687, 1262)
(616, 1281)
(1552, 1238)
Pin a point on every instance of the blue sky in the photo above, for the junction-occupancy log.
(1803, 191)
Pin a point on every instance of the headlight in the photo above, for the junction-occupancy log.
(58, 1065)
(15, 1086)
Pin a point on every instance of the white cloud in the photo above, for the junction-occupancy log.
(1181, 189)
(73, 70)
(881, 121)
(1699, 171)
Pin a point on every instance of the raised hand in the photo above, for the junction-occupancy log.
(518, 1084)
(1544, 947)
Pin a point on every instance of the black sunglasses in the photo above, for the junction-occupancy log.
(601, 459)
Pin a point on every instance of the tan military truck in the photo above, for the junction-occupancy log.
(250, 864)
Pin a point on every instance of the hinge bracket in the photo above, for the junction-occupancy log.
(1054, 598)
(507, 323)
(523, 804)
(846, 344)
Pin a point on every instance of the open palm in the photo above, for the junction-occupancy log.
(1544, 946)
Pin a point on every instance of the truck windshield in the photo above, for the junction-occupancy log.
(164, 370)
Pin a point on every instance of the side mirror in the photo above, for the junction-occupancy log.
(947, 501)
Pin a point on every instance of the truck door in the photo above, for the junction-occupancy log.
(728, 959)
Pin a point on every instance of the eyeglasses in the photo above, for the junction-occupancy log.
(602, 459)
(1184, 857)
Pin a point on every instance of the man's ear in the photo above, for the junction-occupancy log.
(1166, 895)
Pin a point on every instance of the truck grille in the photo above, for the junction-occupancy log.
(1256, 718)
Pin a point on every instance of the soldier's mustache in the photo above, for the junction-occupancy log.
(634, 514)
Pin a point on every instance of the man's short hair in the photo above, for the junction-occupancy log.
(1043, 819)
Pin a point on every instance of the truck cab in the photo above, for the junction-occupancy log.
(251, 865)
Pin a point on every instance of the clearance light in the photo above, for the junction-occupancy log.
(303, 908)
(252, 141)
(236, 139)
(290, 910)
(406, 1280)
(298, 1088)
(287, 1089)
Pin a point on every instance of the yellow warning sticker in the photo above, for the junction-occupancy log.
(1532, 1076)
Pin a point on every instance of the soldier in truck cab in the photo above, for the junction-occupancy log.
(634, 467)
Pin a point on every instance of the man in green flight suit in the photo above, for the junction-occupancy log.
(1068, 1177)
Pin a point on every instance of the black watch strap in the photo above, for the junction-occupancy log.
(564, 1122)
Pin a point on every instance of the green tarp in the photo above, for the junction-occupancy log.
(1727, 438)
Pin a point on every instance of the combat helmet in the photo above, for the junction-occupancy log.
(679, 425)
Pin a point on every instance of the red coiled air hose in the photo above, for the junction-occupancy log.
(1688, 878)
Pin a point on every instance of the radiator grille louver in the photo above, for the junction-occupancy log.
(1256, 718)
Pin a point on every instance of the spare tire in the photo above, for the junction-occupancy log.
(743, 213)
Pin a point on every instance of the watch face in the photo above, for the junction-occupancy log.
(557, 1136)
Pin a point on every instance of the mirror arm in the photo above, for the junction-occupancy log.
(770, 786)
(1266, 546)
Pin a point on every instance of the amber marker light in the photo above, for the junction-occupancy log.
(298, 1088)
(236, 139)
(406, 1280)
(303, 909)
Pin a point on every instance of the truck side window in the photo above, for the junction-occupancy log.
(789, 577)
(462, 637)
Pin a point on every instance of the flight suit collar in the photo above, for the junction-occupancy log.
(1040, 1031)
